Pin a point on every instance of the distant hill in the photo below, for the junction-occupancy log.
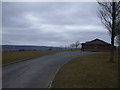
(22, 47)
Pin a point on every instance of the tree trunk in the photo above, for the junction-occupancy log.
(113, 32)
(112, 51)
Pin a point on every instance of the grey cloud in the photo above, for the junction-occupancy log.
(56, 13)
(45, 23)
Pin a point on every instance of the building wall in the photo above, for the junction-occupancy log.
(96, 47)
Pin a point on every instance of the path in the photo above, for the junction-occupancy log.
(38, 72)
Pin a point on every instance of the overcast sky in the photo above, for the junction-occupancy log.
(50, 23)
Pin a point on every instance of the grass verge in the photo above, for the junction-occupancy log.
(93, 71)
(14, 56)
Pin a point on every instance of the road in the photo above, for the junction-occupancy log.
(37, 72)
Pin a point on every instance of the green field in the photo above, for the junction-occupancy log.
(93, 71)
(14, 56)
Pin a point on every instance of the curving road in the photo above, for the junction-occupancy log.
(38, 72)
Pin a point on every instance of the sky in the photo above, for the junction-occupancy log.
(51, 23)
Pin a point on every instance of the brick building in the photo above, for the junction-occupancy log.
(96, 45)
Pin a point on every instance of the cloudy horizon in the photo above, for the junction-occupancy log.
(51, 23)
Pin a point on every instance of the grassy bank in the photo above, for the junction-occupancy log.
(93, 71)
(13, 56)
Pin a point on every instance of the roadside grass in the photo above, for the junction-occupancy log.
(14, 56)
(93, 71)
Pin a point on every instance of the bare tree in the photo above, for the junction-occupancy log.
(109, 13)
(77, 43)
(72, 46)
(118, 40)
(118, 36)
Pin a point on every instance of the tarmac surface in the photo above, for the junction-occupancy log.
(37, 72)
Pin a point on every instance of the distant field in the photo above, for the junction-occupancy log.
(13, 56)
(93, 71)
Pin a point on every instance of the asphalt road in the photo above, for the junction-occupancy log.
(38, 72)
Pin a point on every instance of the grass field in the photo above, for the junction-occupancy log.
(93, 71)
(14, 56)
